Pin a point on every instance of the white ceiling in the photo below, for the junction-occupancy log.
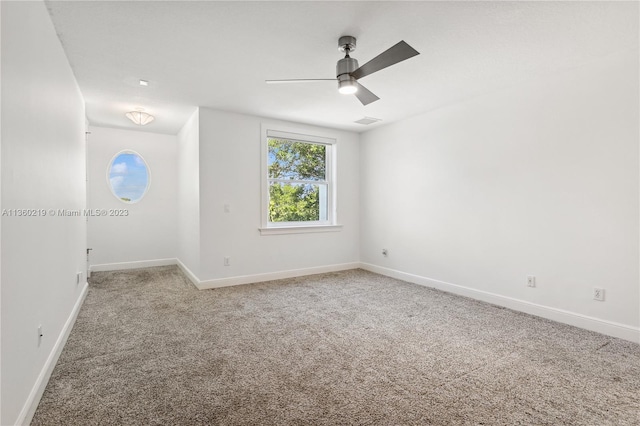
(218, 54)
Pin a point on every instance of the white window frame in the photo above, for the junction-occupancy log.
(299, 135)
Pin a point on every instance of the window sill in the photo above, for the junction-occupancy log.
(302, 229)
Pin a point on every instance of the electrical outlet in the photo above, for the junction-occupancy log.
(227, 261)
(385, 253)
(531, 281)
(598, 294)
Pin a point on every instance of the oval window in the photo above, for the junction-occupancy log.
(128, 176)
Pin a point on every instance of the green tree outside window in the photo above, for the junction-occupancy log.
(297, 181)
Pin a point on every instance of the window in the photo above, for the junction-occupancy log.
(299, 189)
(128, 176)
(297, 181)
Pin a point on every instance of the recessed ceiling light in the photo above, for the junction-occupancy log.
(144, 83)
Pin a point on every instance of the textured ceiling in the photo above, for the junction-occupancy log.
(218, 54)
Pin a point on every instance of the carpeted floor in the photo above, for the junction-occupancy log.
(341, 348)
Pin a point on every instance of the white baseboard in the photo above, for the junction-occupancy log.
(30, 406)
(192, 277)
(132, 265)
(269, 276)
(225, 282)
(609, 328)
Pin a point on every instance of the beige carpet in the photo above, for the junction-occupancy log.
(341, 348)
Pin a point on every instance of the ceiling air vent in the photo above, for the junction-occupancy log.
(368, 120)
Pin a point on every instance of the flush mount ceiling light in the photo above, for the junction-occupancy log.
(140, 117)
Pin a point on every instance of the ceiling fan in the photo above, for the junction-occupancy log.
(348, 73)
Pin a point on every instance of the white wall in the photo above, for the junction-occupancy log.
(149, 232)
(189, 194)
(43, 167)
(540, 179)
(230, 167)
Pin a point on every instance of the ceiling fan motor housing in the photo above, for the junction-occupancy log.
(346, 83)
(346, 66)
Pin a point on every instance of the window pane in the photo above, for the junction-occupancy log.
(288, 159)
(297, 202)
(128, 177)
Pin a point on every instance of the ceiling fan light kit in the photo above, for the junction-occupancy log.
(347, 85)
(348, 72)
